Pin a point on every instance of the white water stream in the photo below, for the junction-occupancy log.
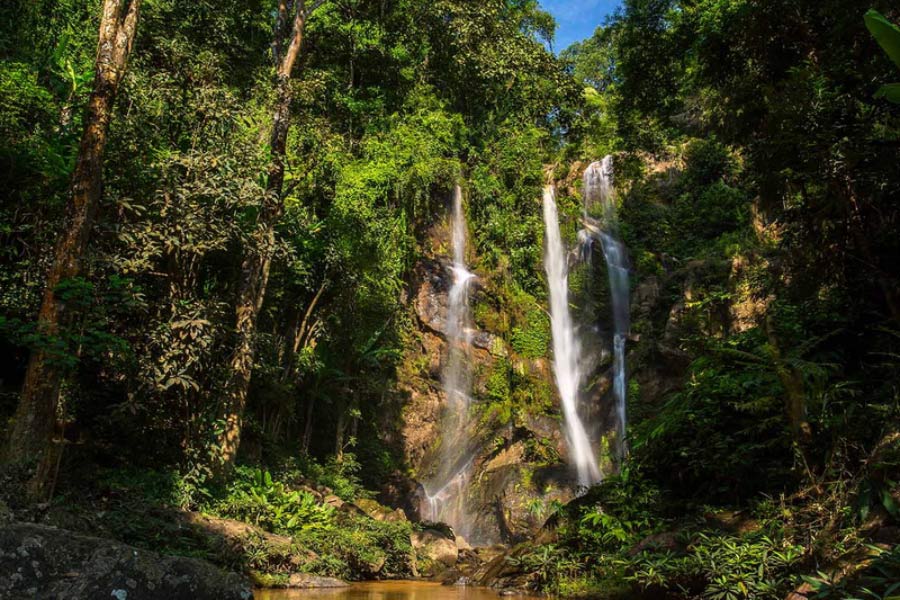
(598, 188)
(445, 491)
(567, 358)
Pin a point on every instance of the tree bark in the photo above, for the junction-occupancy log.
(261, 247)
(795, 391)
(33, 424)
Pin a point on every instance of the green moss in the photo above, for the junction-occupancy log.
(497, 385)
(531, 338)
(269, 580)
(613, 587)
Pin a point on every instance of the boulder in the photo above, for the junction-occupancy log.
(379, 512)
(333, 500)
(44, 562)
(235, 533)
(401, 491)
(309, 581)
(435, 546)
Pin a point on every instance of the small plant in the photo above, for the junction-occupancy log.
(255, 497)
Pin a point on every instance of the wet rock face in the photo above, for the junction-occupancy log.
(503, 507)
(43, 562)
(432, 283)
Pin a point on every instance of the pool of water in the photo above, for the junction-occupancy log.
(387, 590)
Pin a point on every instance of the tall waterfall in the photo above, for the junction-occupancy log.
(457, 378)
(567, 358)
(598, 188)
(446, 489)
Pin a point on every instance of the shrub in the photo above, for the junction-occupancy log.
(254, 497)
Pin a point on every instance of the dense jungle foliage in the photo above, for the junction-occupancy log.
(756, 144)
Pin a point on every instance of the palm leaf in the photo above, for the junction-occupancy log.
(886, 34)
(890, 92)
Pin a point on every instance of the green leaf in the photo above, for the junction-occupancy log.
(889, 504)
(891, 92)
(886, 34)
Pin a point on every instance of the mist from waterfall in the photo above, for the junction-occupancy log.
(567, 359)
(445, 490)
(599, 188)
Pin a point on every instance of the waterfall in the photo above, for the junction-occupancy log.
(566, 348)
(445, 490)
(459, 319)
(598, 187)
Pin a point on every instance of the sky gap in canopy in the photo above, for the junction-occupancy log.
(577, 19)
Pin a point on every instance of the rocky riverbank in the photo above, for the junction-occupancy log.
(37, 561)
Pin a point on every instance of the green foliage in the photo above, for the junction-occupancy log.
(253, 496)
(361, 548)
(888, 36)
(342, 477)
(719, 567)
(744, 441)
(879, 580)
(532, 338)
(707, 162)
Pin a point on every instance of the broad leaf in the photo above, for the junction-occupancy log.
(891, 92)
(886, 33)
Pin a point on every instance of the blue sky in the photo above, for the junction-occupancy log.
(577, 19)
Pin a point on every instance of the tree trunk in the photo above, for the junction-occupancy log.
(298, 336)
(307, 425)
(795, 390)
(258, 257)
(33, 423)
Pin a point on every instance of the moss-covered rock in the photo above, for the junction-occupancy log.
(44, 562)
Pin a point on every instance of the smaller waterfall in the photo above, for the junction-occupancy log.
(598, 187)
(445, 491)
(459, 319)
(566, 348)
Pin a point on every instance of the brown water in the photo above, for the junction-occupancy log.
(387, 590)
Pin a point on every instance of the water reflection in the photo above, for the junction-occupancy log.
(387, 590)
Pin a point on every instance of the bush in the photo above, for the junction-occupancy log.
(254, 497)
(718, 567)
(361, 548)
(711, 211)
(706, 162)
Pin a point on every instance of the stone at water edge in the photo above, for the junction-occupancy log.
(435, 546)
(308, 581)
(462, 544)
(44, 562)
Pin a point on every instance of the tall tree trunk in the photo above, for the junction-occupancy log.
(795, 390)
(261, 247)
(33, 423)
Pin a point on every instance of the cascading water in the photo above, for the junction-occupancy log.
(457, 381)
(445, 490)
(567, 358)
(598, 187)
